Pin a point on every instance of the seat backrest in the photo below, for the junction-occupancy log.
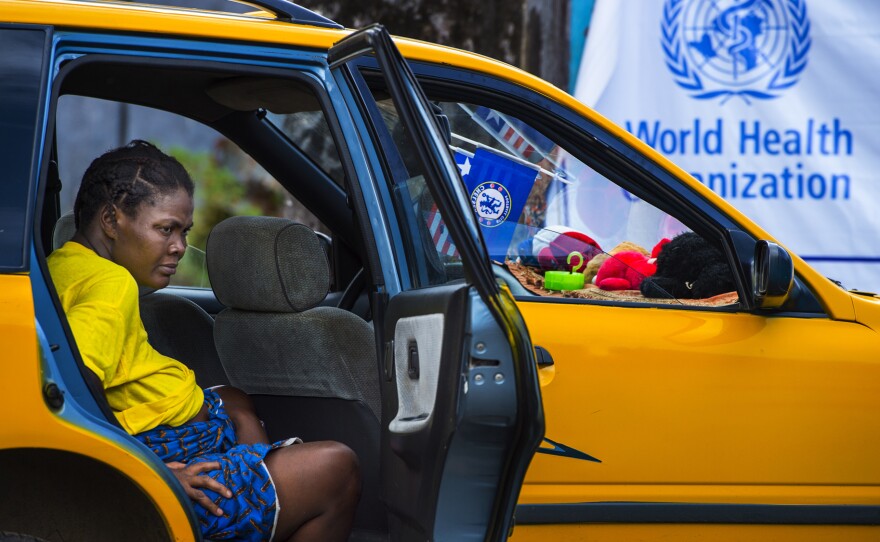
(180, 329)
(310, 370)
(271, 273)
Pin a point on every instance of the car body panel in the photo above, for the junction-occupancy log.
(19, 336)
(701, 397)
(36, 425)
(684, 412)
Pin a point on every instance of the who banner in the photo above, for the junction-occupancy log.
(773, 104)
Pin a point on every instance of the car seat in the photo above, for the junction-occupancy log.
(311, 370)
(65, 227)
(180, 329)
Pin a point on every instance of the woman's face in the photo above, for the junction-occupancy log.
(151, 243)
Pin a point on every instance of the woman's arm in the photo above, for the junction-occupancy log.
(100, 320)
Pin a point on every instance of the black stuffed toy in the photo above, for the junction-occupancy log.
(688, 267)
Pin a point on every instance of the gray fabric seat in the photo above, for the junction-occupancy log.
(310, 370)
(273, 339)
(64, 229)
(180, 329)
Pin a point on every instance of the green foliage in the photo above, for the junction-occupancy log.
(219, 193)
(192, 270)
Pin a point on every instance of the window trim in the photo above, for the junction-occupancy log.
(24, 88)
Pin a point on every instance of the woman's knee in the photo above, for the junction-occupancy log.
(343, 461)
(318, 487)
(339, 456)
(325, 465)
(338, 464)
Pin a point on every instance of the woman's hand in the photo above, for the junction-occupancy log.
(191, 477)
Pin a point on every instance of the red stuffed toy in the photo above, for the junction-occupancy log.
(554, 256)
(626, 270)
(656, 250)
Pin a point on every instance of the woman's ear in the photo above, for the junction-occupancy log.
(107, 218)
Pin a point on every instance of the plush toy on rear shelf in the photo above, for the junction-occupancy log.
(688, 267)
(551, 247)
(625, 270)
(562, 253)
(597, 261)
(561, 242)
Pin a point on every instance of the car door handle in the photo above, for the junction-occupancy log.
(543, 357)
(412, 362)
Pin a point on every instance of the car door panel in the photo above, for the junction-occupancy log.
(702, 406)
(461, 416)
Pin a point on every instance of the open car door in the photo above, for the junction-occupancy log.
(462, 412)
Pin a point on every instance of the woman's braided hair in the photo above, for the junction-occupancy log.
(126, 177)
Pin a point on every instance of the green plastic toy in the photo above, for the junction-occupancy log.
(565, 280)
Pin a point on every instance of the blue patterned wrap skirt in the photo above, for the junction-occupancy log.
(250, 514)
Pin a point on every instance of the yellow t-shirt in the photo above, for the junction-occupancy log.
(144, 388)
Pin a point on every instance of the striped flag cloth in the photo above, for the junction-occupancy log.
(439, 233)
(517, 136)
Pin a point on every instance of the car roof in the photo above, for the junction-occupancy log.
(281, 10)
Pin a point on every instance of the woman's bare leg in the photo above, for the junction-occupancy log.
(318, 483)
(318, 486)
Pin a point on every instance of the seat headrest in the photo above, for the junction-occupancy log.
(63, 231)
(266, 264)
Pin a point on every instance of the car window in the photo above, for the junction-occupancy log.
(309, 131)
(227, 181)
(563, 229)
(430, 253)
(553, 223)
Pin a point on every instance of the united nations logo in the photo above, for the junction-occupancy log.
(753, 49)
(491, 202)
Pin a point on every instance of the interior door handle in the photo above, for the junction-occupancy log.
(543, 357)
(412, 363)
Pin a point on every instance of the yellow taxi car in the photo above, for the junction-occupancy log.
(496, 253)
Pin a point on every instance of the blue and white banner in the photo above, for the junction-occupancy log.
(498, 189)
(773, 104)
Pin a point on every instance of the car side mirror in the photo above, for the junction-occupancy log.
(772, 275)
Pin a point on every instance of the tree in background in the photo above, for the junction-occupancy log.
(531, 34)
(491, 27)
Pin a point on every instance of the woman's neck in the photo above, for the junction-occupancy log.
(95, 241)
